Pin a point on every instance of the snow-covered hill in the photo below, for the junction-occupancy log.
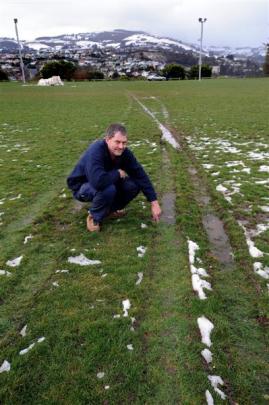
(121, 40)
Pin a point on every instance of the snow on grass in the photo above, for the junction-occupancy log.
(14, 262)
(265, 208)
(82, 260)
(62, 271)
(215, 381)
(225, 192)
(198, 284)
(30, 347)
(15, 198)
(253, 251)
(206, 327)
(166, 134)
(260, 270)
(55, 284)
(5, 273)
(264, 168)
(126, 306)
(27, 238)
(141, 250)
(140, 278)
(209, 398)
(5, 366)
(23, 331)
(207, 355)
(24, 351)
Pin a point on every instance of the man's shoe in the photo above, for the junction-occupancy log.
(92, 226)
(117, 214)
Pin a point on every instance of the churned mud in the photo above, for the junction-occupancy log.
(218, 239)
(168, 208)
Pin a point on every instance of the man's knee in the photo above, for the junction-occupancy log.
(109, 193)
(130, 187)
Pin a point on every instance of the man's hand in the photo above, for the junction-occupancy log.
(155, 211)
(122, 173)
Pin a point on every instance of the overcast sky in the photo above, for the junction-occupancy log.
(229, 22)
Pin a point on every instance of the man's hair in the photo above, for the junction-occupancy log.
(113, 128)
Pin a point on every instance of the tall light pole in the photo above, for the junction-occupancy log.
(202, 21)
(19, 45)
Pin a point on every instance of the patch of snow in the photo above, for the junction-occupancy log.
(225, 192)
(24, 351)
(5, 366)
(15, 198)
(264, 168)
(253, 251)
(141, 250)
(62, 271)
(209, 398)
(168, 137)
(126, 305)
(260, 270)
(14, 262)
(265, 208)
(5, 273)
(254, 155)
(55, 284)
(206, 327)
(207, 166)
(23, 331)
(207, 355)
(83, 260)
(29, 237)
(193, 247)
(215, 381)
(199, 285)
(100, 375)
(166, 134)
(140, 278)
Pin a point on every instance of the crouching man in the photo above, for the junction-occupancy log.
(109, 176)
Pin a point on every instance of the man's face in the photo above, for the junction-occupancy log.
(117, 144)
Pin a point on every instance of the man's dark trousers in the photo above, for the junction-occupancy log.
(114, 197)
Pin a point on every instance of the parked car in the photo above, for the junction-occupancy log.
(156, 77)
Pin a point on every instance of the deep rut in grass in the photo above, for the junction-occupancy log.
(214, 227)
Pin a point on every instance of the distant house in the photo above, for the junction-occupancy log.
(215, 70)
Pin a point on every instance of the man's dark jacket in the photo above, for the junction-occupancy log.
(97, 168)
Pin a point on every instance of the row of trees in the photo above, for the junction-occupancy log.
(69, 71)
(175, 71)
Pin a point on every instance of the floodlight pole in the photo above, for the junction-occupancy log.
(19, 45)
(202, 21)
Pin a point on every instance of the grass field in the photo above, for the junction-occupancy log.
(206, 262)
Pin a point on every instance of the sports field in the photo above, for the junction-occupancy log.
(171, 313)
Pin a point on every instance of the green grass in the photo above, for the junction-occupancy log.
(82, 337)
